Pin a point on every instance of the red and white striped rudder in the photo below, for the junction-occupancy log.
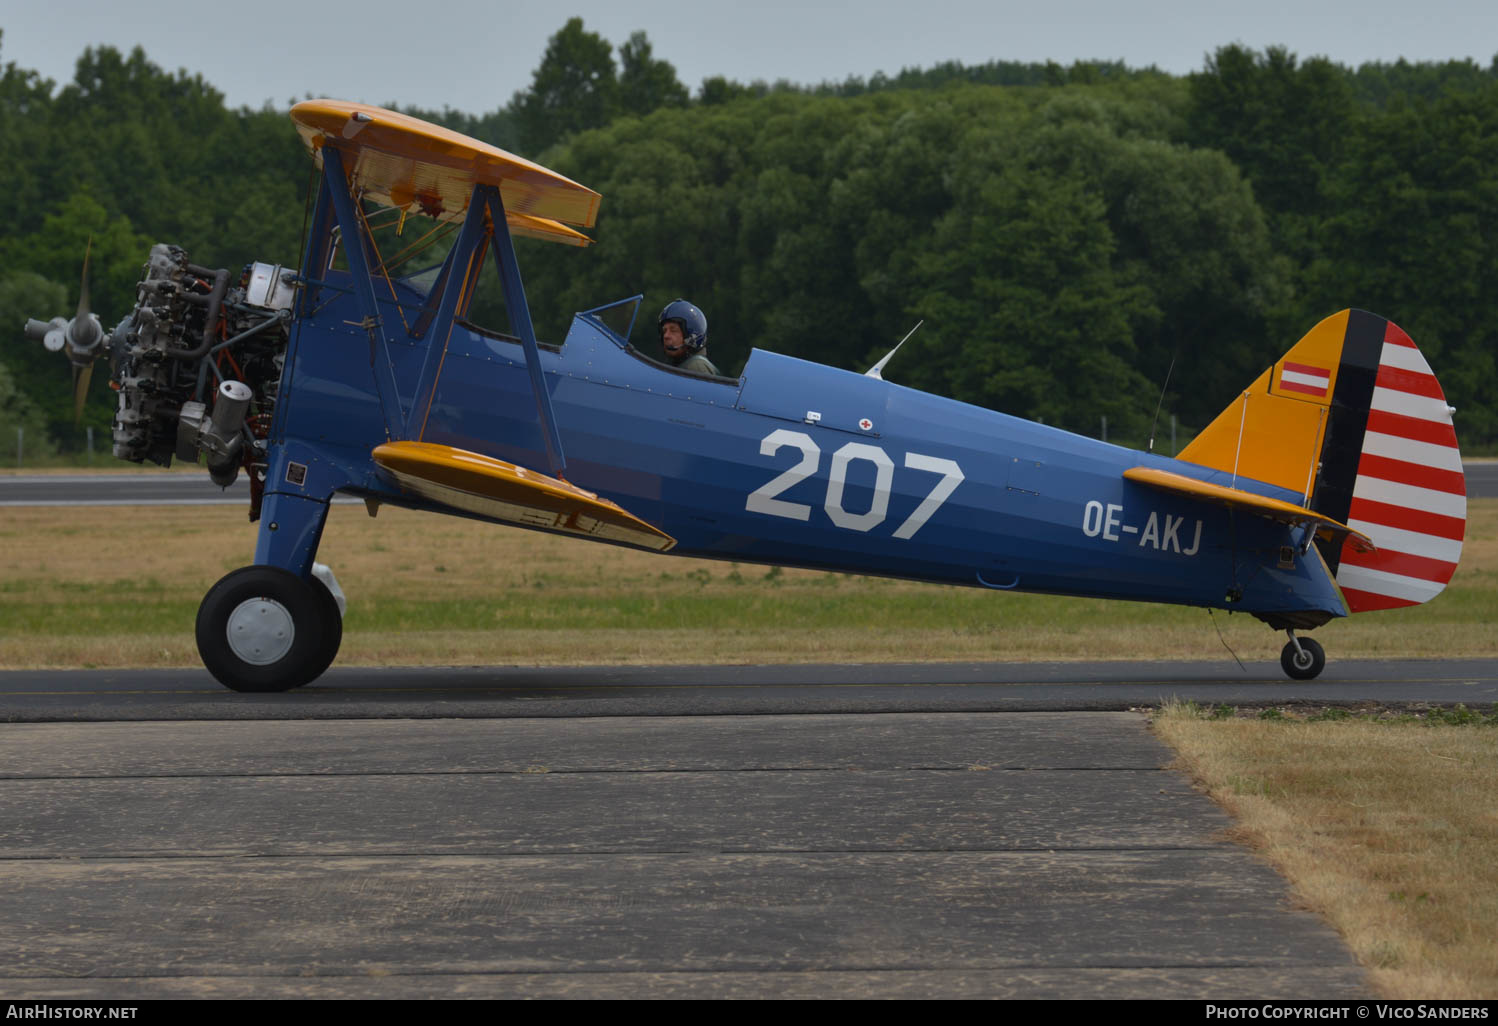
(1409, 494)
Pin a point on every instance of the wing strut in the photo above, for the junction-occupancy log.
(336, 182)
(520, 320)
(319, 243)
(456, 279)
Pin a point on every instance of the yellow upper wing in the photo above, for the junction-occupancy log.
(401, 161)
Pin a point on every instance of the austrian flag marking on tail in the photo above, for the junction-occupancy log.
(1410, 494)
(1301, 377)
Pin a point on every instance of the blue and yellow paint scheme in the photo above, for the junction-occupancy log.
(390, 395)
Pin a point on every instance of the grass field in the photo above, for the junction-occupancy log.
(1387, 828)
(120, 586)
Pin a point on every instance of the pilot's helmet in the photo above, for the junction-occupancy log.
(693, 323)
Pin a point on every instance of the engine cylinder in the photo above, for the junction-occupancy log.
(228, 413)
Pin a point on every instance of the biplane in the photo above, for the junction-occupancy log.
(1331, 485)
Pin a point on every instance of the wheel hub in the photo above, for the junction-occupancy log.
(260, 631)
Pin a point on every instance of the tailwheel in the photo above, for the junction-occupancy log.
(1302, 658)
(265, 629)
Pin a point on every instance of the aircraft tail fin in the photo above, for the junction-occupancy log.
(1353, 419)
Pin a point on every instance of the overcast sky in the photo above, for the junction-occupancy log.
(472, 55)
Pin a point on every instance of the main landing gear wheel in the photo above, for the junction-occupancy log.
(264, 629)
(1304, 664)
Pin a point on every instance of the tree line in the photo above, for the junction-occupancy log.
(1070, 235)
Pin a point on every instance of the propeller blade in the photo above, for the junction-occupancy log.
(84, 333)
(81, 377)
(83, 311)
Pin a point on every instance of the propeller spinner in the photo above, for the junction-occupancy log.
(82, 338)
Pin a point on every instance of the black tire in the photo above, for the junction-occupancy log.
(1305, 664)
(281, 629)
(332, 632)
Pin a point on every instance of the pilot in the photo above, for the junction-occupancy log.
(683, 331)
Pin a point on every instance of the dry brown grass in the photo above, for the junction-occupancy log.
(1389, 831)
(105, 586)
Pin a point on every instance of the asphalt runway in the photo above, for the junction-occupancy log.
(138, 488)
(484, 692)
(903, 855)
(817, 831)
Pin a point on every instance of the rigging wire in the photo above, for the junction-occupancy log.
(1156, 422)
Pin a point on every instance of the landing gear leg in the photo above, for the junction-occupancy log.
(276, 625)
(1302, 658)
(326, 585)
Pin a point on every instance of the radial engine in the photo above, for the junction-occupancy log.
(197, 364)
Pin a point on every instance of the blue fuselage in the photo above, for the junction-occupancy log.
(802, 465)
